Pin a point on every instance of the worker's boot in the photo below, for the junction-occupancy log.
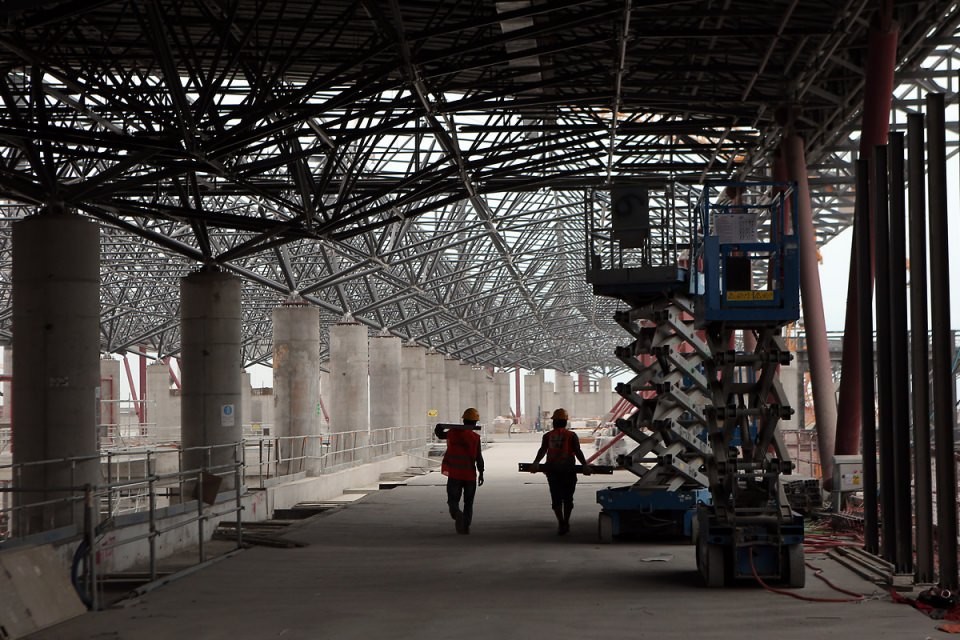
(457, 516)
(560, 527)
(567, 508)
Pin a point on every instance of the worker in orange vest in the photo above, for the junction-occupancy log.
(463, 466)
(562, 448)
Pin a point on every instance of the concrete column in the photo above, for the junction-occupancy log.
(533, 397)
(548, 394)
(606, 396)
(385, 390)
(159, 418)
(296, 385)
(451, 376)
(564, 391)
(436, 392)
(325, 398)
(5, 385)
(349, 392)
(108, 411)
(246, 404)
(468, 389)
(491, 389)
(413, 385)
(502, 395)
(483, 401)
(211, 364)
(56, 312)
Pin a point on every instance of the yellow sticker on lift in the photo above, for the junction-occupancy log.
(748, 296)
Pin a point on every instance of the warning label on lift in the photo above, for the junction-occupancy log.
(747, 296)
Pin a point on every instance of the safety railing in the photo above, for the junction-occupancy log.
(136, 480)
(268, 458)
(90, 509)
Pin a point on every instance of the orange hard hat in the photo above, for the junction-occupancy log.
(471, 414)
(560, 414)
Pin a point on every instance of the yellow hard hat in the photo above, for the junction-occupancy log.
(560, 414)
(471, 414)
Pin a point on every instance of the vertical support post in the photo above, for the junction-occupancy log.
(879, 196)
(877, 101)
(871, 533)
(943, 391)
(821, 370)
(899, 357)
(516, 384)
(142, 394)
(919, 354)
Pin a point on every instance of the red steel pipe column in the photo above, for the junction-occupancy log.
(815, 326)
(877, 101)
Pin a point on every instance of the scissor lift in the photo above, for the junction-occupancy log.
(699, 288)
(746, 281)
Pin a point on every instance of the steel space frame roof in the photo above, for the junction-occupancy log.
(424, 166)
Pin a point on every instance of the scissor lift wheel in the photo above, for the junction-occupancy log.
(794, 569)
(605, 528)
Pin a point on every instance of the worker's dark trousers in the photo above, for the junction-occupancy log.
(466, 488)
(562, 486)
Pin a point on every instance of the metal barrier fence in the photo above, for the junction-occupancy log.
(267, 458)
(146, 480)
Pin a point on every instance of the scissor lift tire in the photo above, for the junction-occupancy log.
(796, 570)
(605, 528)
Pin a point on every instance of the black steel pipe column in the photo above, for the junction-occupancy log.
(880, 195)
(871, 535)
(899, 356)
(919, 354)
(943, 392)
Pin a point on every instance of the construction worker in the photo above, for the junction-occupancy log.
(562, 448)
(463, 466)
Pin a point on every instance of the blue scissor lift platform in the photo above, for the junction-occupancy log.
(709, 456)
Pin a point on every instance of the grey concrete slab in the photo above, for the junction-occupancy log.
(391, 566)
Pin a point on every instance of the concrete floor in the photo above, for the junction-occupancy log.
(390, 566)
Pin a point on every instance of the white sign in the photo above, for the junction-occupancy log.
(227, 415)
(736, 228)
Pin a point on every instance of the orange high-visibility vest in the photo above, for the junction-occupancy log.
(560, 446)
(459, 462)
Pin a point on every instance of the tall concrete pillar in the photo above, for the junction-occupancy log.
(548, 394)
(246, 401)
(413, 385)
(502, 395)
(533, 397)
(607, 397)
(385, 380)
(349, 392)
(451, 376)
(160, 419)
(211, 364)
(491, 390)
(108, 410)
(483, 401)
(296, 385)
(56, 315)
(325, 398)
(564, 392)
(468, 389)
(5, 385)
(436, 393)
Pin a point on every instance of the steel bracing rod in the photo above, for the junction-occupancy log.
(943, 348)
(899, 358)
(885, 374)
(919, 352)
(864, 252)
